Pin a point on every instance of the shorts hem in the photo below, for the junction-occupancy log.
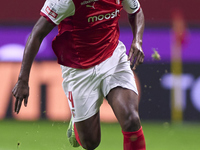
(79, 119)
(122, 86)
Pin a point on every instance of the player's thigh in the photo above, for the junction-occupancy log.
(89, 129)
(124, 103)
(82, 89)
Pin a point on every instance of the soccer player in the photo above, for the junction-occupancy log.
(94, 65)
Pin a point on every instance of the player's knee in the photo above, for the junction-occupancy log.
(91, 144)
(132, 122)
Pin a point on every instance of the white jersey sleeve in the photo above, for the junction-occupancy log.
(57, 10)
(131, 6)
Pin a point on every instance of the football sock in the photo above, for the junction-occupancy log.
(76, 135)
(134, 140)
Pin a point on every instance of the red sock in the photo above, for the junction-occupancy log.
(76, 135)
(134, 140)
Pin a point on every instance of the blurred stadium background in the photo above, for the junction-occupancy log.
(169, 88)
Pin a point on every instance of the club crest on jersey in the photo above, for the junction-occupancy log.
(51, 12)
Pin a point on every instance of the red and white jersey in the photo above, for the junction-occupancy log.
(88, 29)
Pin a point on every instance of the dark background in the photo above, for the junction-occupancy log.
(157, 12)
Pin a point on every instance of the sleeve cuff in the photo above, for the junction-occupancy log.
(48, 19)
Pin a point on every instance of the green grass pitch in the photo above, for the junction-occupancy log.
(48, 135)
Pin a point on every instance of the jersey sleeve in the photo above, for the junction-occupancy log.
(57, 10)
(131, 6)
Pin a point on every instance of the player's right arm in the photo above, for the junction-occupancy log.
(53, 12)
(21, 89)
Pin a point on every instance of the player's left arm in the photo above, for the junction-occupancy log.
(137, 23)
(136, 54)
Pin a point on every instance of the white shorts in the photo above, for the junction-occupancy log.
(86, 88)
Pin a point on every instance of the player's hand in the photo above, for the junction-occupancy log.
(136, 55)
(21, 93)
